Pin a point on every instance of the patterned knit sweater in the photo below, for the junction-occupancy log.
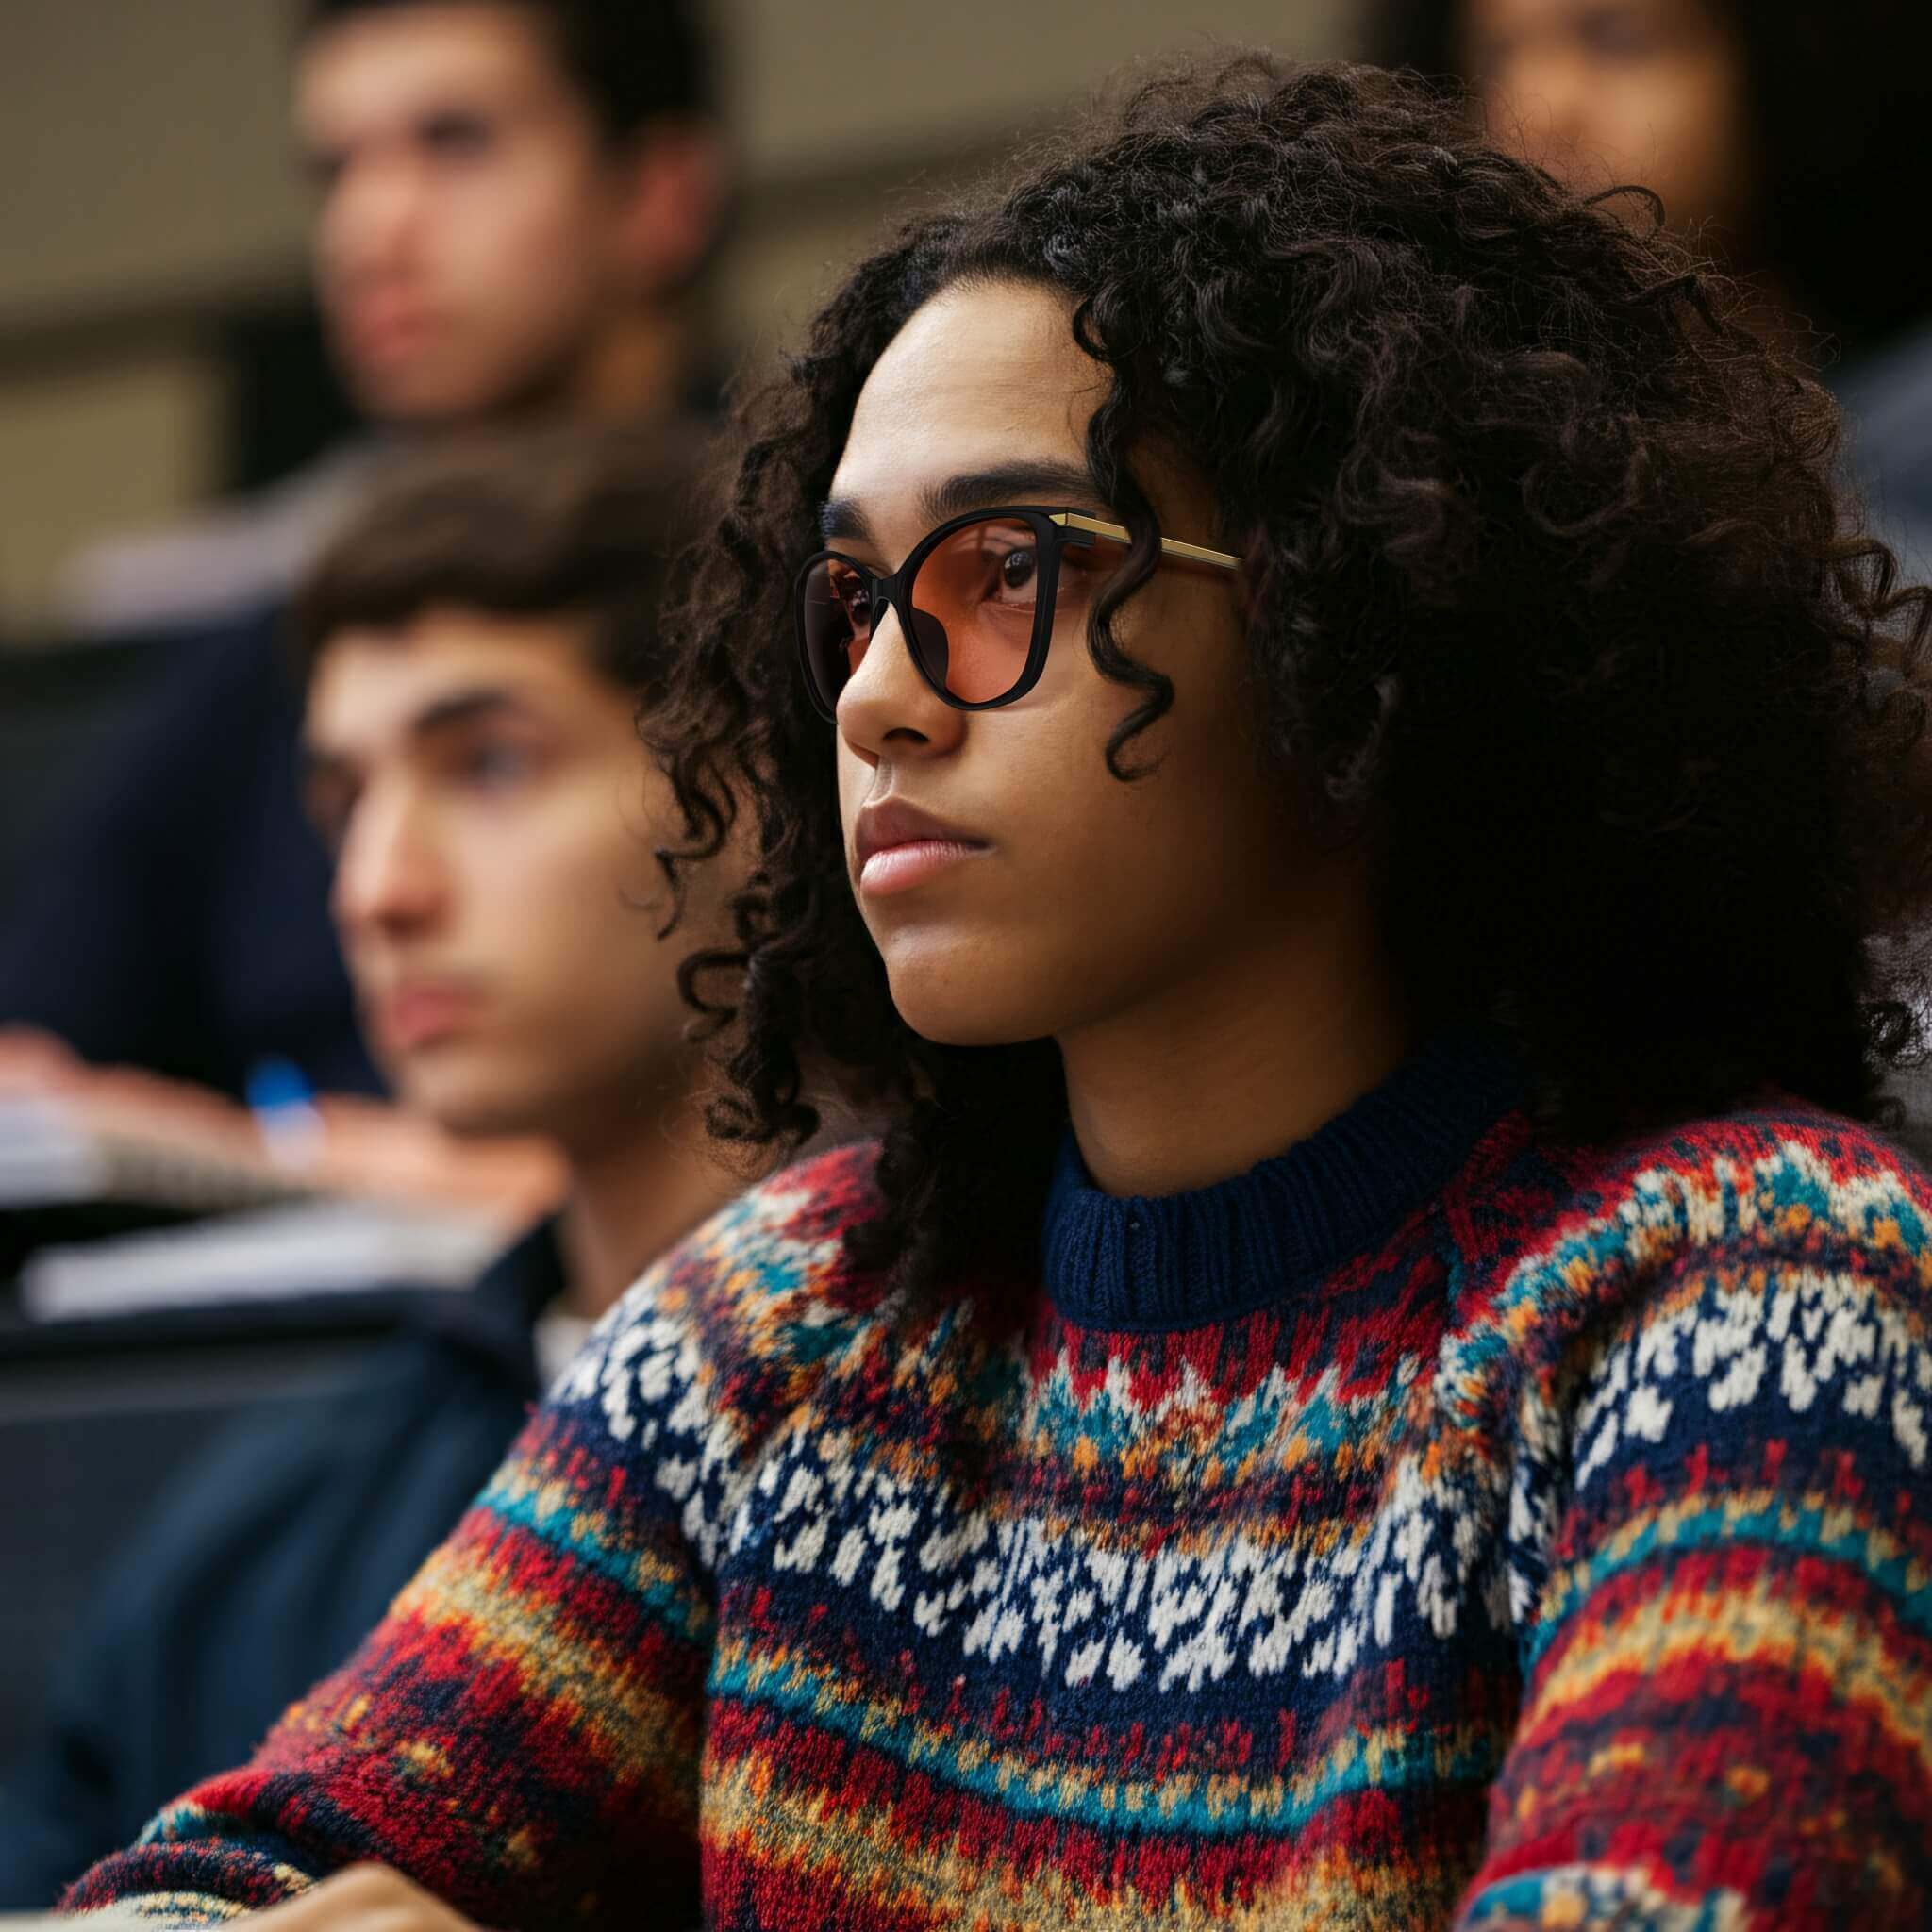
(1435, 1526)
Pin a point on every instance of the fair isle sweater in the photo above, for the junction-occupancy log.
(1434, 1525)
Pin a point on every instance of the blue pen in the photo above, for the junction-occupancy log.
(283, 1104)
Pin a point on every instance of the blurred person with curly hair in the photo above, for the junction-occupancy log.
(1316, 742)
(1786, 136)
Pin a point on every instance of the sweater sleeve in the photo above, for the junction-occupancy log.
(1722, 1564)
(521, 1734)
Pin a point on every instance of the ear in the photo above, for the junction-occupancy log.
(671, 183)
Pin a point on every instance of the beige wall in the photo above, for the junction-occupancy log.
(144, 154)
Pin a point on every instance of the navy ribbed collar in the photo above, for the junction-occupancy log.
(1178, 1261)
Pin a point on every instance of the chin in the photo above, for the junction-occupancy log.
(423, 397)
(966, 1009)
(468, 1100)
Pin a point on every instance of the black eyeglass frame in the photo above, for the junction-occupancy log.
(1055, 530)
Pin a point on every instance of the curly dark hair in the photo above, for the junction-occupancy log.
(1839, 91)
(559, 519)
(1547, 588)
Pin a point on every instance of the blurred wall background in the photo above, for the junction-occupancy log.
(151, 224)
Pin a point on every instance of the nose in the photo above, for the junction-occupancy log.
(888, 707)
(387, 877)
(370, 213)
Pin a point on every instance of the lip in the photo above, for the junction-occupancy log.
(419, 1015)
(381, 331)
(896, 847)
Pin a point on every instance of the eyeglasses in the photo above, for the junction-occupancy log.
(974, 602)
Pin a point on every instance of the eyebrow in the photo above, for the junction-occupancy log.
(317, 148)
(450, 713)
(466, 707)
(1062, 484)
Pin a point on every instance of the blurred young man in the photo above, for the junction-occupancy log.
(476, 646)
(516, 200)
(513, 202)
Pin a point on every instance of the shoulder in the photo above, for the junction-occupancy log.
(750, 1305)
(332, 1488)
(1784, 1184)
(772, 1260)
(1696, 1337)
(1726, 1234)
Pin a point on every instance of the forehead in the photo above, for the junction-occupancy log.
(372, 685)
(396, 62)
(1503, 16)
(983, 376)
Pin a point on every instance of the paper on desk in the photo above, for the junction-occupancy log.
(313, 1247)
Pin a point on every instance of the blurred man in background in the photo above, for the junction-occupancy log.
(517, 199)
(475, 648)
(514, 200)
(1786, 137)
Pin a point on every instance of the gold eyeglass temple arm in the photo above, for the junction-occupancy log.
(1172, 545)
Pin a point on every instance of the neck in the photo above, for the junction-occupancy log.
(1289, 1025)
(635, 1194)
(638, 368)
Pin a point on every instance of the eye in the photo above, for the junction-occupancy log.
(328, 800)
(325, 167)
(496, 766)
(1618, 32)
(1009, 564)
(330, 819)
(457, 137)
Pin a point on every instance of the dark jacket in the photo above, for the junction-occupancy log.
(273, 1557)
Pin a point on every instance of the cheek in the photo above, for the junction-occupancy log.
(554, 888)
(525, 255)
(1160, 852)
(1677, 127)
(1107, 829)
(1126, 866)
(1709, 147)
(1115, 892)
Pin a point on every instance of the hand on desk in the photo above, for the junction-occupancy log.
(365, 1898)
(361, 1147)
(36, 1065)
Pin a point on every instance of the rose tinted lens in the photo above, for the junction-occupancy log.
(835, 611)
(973, 604)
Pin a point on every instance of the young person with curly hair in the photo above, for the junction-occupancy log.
(1784, 135)
(1337, 782)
